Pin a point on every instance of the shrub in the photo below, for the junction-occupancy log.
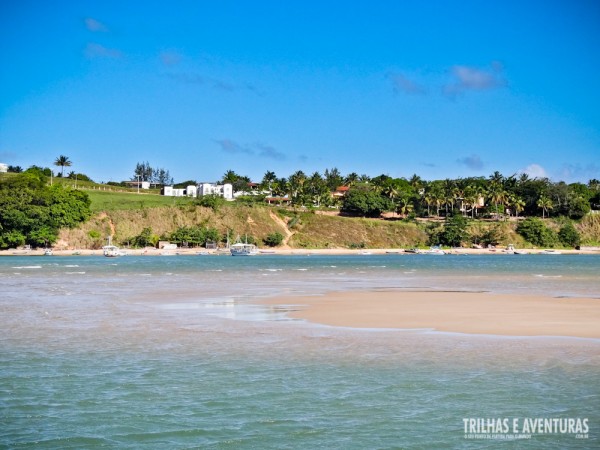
(273, 239)
(536, 232)
(569, 236)
(211, 201)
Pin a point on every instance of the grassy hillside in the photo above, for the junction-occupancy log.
(124, 215)
(119, 201)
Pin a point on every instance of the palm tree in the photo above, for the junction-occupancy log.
(519, 204)
(62, 161)
(351, 179)
(546, 204)
(268, 179)
(230, 177)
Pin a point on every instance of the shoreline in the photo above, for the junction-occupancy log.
(472, 313)
(284, 251)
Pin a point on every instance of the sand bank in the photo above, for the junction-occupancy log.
(461, 312)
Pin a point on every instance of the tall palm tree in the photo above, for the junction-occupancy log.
(546, 204)
(62, 161)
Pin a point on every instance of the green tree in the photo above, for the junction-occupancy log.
(365, 201)
(62, 161)
(569, 236)
(32, 212)
(536, 232)
(453, 233)
(273, 239)
(546, 204)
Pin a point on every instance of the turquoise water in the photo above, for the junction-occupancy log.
(171, 352)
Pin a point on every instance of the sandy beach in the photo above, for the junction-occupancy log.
(282, 251)
(460, 312)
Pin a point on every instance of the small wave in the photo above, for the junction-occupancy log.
(27, 267)
(541, 275)
(75, 273)
(301, 270)
(72, 265)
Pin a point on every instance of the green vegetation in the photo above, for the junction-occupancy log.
(119, 201)
(31, 212)
(273, 239)
(535, 231)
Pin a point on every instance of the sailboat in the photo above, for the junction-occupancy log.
(243, 248)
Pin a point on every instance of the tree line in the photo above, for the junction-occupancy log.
(493, 196)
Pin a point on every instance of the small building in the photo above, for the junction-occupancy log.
(340, 192)
(3, 168)
(278, 200)
(170, 191)
(223, 190)
(191, 191)
(138, 184)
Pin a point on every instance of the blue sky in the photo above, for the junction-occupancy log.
(438, 88)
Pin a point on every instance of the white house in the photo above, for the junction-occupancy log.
(191, 191)
(170, 191)
(224, 190)
(3, 167)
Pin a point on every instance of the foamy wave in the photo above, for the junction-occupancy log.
(27, 267)
(75, 273)
(72, 265)
(541, 275)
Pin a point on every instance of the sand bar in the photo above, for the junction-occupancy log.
(462, 312)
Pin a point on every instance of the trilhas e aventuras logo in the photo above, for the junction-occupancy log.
(524, 428)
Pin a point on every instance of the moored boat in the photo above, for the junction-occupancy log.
(550, 252)
(111, 251)
(243, 249)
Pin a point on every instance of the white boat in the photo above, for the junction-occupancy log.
(242, 249)
(111, 251)
(432, 251)
(510, 250)
(550, 252)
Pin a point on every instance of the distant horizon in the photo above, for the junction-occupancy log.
(440, 89)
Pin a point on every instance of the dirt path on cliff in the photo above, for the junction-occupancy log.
(279, 221)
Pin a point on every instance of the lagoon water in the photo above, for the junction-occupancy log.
(175, 352)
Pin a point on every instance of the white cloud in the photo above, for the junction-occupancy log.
(534, 171)
(95, 25)
(93, 50)
(403, 84)
(468, 78)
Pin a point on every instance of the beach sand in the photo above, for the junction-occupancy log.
(278, 251)
(460, 312)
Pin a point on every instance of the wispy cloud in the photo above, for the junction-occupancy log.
(232, 147)
(7, 156)
(95, 25)
(534, 171)
(93, 50)
(259, 149)
(402, 84)
(467, 78)
(266, 151)
(218, 84)
(578, 172)
(428, 164)
(473, 162)
(170, 58)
